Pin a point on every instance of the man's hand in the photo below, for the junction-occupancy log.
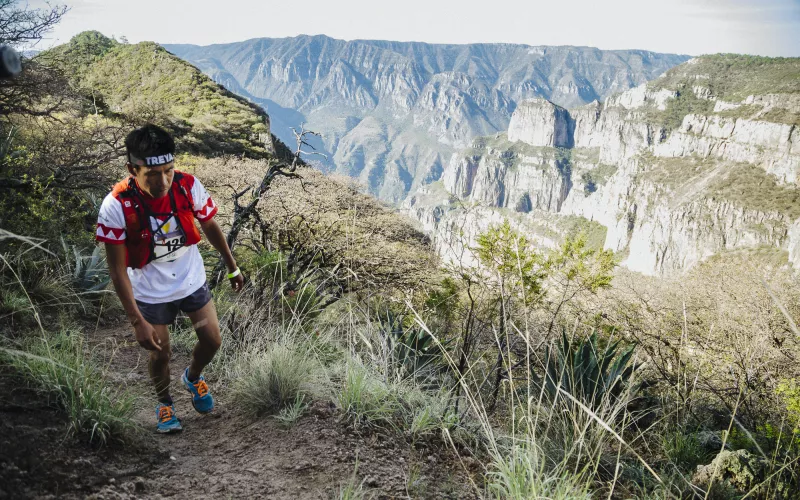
(237, 282)
(146, 335)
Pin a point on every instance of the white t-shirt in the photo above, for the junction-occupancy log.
(178, 270)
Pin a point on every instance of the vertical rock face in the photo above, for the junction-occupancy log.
(671, 190)
(520, 179)
(539, 122)
(421, 102)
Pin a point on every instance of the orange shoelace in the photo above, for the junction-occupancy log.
(202, 388)
(165, 413)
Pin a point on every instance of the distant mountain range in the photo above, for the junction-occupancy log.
(393, 113)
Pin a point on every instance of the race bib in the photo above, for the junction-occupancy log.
(169, 239)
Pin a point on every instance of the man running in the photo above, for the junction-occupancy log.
(147, 225)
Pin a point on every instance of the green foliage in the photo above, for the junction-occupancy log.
(733, 77)
(684, 103)
(749, 186)
(291, 413)
(89, 273)
(522, 474)
(593, 179)
(512, 258)
(412, 348)
(685, 450)
(352, 489)
(365, 400)
(593, 377)
(273, 280)
(42, 210)
(789, 392)
(144, 83)
(15, 303)
(55, 365)
(271, 380)
(579, 267)
(32, 285)
(440, 301)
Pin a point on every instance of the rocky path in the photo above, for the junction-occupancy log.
(221, 455)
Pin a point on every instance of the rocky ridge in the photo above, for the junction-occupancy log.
(675, 175)
(393, 113)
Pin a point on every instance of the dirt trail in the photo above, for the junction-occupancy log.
(221, 455)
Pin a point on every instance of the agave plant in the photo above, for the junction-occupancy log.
(89, 272)
(591, 376)
(413, 348)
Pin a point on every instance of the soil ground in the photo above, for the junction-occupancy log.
(221, 455)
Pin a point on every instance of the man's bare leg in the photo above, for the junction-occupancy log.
(206, 325)
(159, 364)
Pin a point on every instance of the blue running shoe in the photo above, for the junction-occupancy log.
(166, 421)
(201, 397)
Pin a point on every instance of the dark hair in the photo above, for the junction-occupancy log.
(150, 140)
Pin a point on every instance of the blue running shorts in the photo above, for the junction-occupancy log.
(166, 312)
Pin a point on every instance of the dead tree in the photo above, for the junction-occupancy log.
(244, 214)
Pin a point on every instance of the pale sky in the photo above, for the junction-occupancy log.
(764, 27)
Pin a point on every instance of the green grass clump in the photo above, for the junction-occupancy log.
(290, 414)
(270, 381)
(364, 399)
(685, 450)
(521, 474)
(55, 365)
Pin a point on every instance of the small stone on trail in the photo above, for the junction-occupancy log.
(172, 458)
(139, 484)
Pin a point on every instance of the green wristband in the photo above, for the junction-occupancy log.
(234, 274)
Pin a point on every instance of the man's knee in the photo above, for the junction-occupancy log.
(210, 342)
(162, 356)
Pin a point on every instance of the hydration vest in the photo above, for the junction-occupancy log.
(140, 241)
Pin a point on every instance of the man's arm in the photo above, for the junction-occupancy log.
(144, 331)
(217, 239)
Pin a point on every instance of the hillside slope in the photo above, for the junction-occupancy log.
(144, 83)
(392, 113)
(700, 161)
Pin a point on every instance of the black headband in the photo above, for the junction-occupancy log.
(156, 161)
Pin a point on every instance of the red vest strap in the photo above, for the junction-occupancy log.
(139, 242)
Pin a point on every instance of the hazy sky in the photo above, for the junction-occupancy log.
(766, 27)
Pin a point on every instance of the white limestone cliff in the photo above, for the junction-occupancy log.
(539, 122)
(613, 164)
